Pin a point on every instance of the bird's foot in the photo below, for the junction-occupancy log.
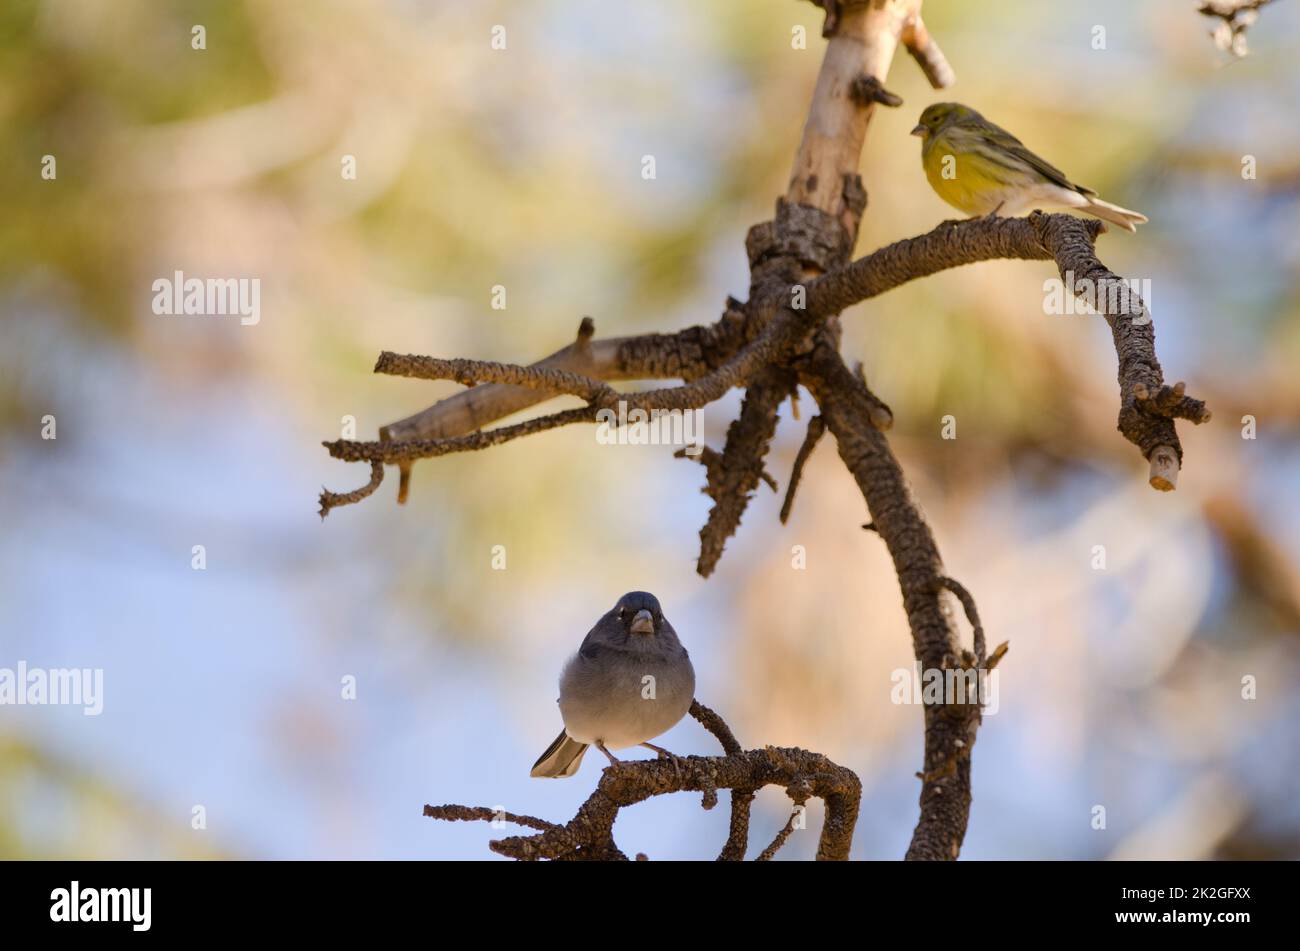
(665, 754)
(613, 760)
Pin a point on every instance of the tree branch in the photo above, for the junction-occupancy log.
(472, 372)
(329, 500)
(1147, 406)
(916, 38)
(740, 466)
(949, 730)
(681, 355)
(589, 835)
(768, 853)
(815, 430)
(685, 355)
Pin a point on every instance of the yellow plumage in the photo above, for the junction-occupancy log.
(983, 169)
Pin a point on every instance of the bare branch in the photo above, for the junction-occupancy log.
(393, 452)
(454, 813)
(881, 416)
(738, 470)
(1147, 406)
(950, 244)
(949, 729)
(711, 459)
(767, 854)
(742, 800)
(717, 726)
(815, 430)
(927, 54)
(589, 835)
(473, 372)
(686, 354)
(329, 500)
(972, 614)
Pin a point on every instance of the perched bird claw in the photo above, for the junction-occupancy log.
(662, 753)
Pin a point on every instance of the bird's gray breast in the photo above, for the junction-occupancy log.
(622, 698)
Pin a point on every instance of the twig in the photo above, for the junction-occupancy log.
(472, 372)
(453, 813)
(916, 38)
(972, 614)
(767, 854)
(739, 468)
(881, 416)
(711, 459)
(350, 450)
(712, 722)
(329, 500)
(815, 430)
(742, 800)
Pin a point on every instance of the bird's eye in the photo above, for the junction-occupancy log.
(621, 612)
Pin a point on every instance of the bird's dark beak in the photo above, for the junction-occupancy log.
(643, 623)
(920, 130)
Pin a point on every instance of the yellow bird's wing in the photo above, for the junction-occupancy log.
(1000, 138)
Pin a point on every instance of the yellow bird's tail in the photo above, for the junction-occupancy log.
(1128, 220)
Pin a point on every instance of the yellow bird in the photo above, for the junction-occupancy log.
(982, 169)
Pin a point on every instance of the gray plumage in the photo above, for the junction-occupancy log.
(630, 681)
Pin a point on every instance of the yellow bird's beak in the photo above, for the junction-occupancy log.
(920, 130)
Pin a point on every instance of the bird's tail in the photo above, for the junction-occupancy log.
(1128, 220)
(562, 758)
